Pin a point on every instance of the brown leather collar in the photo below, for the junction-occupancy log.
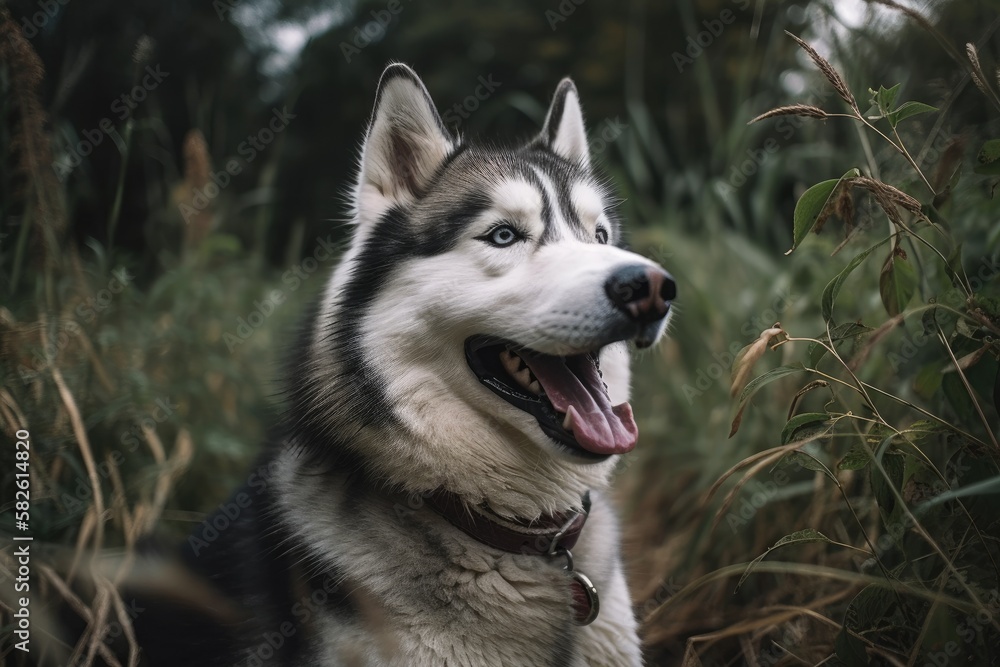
(544, 536)
(551, 535)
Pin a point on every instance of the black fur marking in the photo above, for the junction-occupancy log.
(563, 175)
(391, 243)
(564, 647)
(548, 224)
(304, 423)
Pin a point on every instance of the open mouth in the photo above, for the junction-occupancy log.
(566, 395)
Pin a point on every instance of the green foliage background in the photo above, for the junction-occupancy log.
(884, 507)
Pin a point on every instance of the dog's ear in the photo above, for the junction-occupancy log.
(406, 142)
(564, 132)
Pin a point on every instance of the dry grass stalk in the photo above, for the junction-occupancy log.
(829, 72)
(143, 49)
(80, 432)
(121, 613)
(895, 195)
(773, 457)
(91, 640)
(889, 197)
(83, 536)
(11, 412)
(30, 142)
(189, 195)
(979, 76)
(804, 110)
(970, 50)
(169, 471)
(843, 208)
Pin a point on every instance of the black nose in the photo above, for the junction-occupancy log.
(642, 292)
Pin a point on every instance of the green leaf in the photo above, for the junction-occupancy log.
(811, 204)
(953, 267)
(906, 110)
(768, 377)
(840, 332)
(882, 485)
(868, 609)
(855, 459)
(958, 397)
(805, 460)
(928, 380)
(929, 322)
(887, 96)
(798, 537)
(932, 214)
(223, 244)
(897, 284)
(988, 160)
(884, 98)
(815, 353)
(849, 330)
(849, 649)
(919, 431)
(879, 435)
(797, 425)
(833, 287)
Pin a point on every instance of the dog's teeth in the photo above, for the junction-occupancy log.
(571, 416)
(509, 361)
(518, 369)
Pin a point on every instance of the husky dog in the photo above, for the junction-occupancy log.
(458, 401)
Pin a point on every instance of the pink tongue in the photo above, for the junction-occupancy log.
(598, 426)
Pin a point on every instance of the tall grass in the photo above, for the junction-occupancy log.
(866, 474)
(865, 529)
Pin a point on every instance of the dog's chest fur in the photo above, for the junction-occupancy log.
(421, 592)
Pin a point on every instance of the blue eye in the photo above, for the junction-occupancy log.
(601, 235)
(503, 236)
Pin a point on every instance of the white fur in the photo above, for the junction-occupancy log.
(571, 136)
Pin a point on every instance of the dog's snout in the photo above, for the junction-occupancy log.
(642, 292)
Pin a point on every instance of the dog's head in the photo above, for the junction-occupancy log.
(475, 334)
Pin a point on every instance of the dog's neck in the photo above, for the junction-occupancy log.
(550, 536)
(543, 536)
